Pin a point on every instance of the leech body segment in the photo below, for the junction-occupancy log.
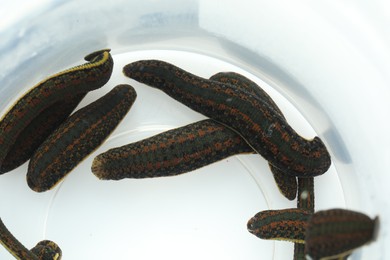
(287, 184)
(305, 201)
(243, 83)
(263, 129)
(77, 137)
(61, 86)
(328, 234)
(337, 232)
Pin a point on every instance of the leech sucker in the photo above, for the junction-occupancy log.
(287, 184)
(47, 250)
(265, 131)
(77, 137)
(171, 152)
(61, 86)
(337, 232)
(286, 224)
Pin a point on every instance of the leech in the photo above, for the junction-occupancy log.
(337, 232)
(61, 86)
(170, 153)
(77, 137)
(249, 116)
(44, 250)
(286, 224)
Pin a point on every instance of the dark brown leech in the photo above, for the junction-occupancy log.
(77, 137)
(335, 233)
(252, 118)
(170, 153)
(61, 86)
(37, 131)
(286, 224)
(287, 184)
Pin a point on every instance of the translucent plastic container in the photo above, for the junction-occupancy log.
(325, 65)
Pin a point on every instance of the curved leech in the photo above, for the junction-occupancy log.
(61, 86)
(287, 184)
(37, 131)
(252, 118)
(44, 250)
(77, 137)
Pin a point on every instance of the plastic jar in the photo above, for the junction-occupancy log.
(325, 64)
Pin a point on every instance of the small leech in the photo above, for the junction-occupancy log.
(77, 137)
(47, 250)
(170, 153)
(37, 131)
(336, 233)
(44, 250)
(286, 224)
(250, 116)
(61, 86)
(287, 184)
